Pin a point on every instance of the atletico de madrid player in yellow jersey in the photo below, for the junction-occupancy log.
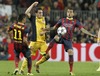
(38, 42)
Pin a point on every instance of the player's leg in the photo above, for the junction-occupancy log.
(99, 67)
(52, 42)
(16, 62)
(68, 48)
(71, 61)
(24, 63)
(44, 58)
(27, 54)
(23, 66)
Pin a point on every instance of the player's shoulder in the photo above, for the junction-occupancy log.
(61, 19)
(76, 21)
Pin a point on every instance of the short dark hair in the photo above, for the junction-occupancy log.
(70, 8)
(21, 17)
(38, 8)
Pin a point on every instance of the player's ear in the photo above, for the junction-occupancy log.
(74, 13)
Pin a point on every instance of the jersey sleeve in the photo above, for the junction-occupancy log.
(46, 21)
(31, 18)
(58, 24)
(78, 24)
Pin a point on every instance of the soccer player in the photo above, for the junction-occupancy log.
(19, 31)
(38, 42)
(98, 41)
(70, 24)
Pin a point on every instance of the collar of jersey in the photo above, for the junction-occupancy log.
(39, 18)
(69, 18)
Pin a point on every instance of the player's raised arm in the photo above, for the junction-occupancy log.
(27, 12)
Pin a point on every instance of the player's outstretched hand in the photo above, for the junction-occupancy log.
(94, 36)
(35, 3)
(45, 29)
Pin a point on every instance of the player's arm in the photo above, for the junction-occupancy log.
(78, 24)
(9, 31)
(86, 32)
(27, 12)
(58, 24)
(25, 39)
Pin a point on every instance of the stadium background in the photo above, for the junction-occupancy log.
(86, 11)
(86, 50)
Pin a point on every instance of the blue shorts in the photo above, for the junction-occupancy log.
(26, 53)
(67, 43)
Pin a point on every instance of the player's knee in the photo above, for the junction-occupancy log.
(70, 52)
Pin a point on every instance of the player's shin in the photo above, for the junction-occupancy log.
(29, 60)
(24, 64)
(71, 62)
(43, 59)
(16, 62)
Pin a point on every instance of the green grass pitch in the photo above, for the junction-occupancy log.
(54, 69)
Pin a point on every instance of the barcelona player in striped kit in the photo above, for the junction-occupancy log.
(70, 24)
(19, 38)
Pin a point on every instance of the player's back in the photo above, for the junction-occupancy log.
(18, 35)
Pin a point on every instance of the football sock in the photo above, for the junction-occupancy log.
(16, 62)
(29, 64)
(50, 45)
(24, 64)
(43, 59)
(71, 62)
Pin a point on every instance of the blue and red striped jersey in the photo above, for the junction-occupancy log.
(70, 25)
(19, 31)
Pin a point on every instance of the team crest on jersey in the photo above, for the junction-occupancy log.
(67, 25)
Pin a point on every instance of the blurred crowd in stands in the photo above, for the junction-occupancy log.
(87, 11)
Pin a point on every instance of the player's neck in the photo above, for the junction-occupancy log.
(69, 18)
(20, 23)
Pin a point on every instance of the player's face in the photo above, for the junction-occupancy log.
(24, 20)
(39, 14)
(70, 13)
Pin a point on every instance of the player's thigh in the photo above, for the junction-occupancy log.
(43, 48)
(34, 46)
(17, 52)
(67, 45)
(26, 53)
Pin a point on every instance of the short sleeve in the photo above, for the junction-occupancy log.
(78, 24)
(31, 18)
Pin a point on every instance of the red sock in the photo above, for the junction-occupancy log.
(71, 62)
(16, 62)
(29, 60)
(50, 45)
